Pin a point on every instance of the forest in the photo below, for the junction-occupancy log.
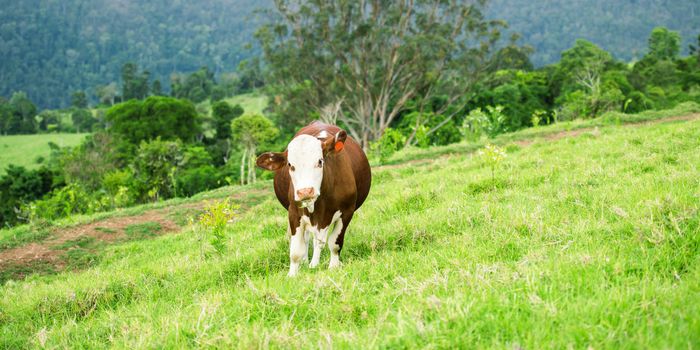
(52, 47)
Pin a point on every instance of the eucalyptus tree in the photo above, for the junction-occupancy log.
(372, 58)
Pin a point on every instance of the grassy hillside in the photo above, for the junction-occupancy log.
(591, 239)
(24, 149)
(252, 103)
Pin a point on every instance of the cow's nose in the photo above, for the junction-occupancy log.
(305, 193)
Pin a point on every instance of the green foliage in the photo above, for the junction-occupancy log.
(134, 83)
(223, 114)
(157, 116)
(79, 100)
(478, 122)
(212, 224)
(620, 27)
(82, 44)
(63, 202)
(154, 168)
(392, 141)
(492, 156)
(20, 186)
(83, 120)
(664, 44)
(333, 53)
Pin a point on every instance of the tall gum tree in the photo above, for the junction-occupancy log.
(365, 60)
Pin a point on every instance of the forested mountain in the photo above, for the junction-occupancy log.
(50, 48)
(621, 27)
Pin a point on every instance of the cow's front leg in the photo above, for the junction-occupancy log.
(319, 238)
(298, 249)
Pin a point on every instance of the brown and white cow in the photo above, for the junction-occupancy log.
(321, 179)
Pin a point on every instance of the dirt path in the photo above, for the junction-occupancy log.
(171, 219)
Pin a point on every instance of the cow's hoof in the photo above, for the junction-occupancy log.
(334, 264)
(313, 264)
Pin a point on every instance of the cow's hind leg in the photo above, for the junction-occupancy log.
(336, 238)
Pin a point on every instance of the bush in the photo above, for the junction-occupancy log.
(391, 141)
(154, 169)
(192, 181)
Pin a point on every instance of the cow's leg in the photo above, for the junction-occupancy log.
(336, 238)
(298, 249)
(320, 237)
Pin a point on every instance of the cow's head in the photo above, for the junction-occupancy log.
(304, 160)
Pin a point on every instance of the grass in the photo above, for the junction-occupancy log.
(591, 241)
(252, 103)
(24, 150)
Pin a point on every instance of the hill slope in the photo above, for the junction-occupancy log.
(621, 27)
(52, 48)
(582, 241)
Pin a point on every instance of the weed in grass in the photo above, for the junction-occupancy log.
(492, 156)
(212, 224)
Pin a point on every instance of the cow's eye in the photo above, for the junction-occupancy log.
(320, 163)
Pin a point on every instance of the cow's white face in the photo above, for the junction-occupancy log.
(305, 162)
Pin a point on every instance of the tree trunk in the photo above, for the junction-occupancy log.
(243, 160)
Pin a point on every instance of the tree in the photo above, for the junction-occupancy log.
(83, 120)
(249, 131)
(19, 186)
(223, 114)
(155, 166)
(79, 99)
(156, 116)
(664, 44)
(22, 115)
(695, 49)
(156, 88)
(372, 58)
(107, 93)
(134, 84)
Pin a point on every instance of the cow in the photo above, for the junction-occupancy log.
(320, 179)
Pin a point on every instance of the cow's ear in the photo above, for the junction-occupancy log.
(272, 160)
(336, 142)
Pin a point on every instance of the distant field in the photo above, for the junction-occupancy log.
(24, 149)
(251, 103)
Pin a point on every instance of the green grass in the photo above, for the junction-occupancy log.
(591, 241)
(252, 103)
(24, 150)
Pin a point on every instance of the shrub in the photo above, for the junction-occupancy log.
(192, 181)
(391, 141)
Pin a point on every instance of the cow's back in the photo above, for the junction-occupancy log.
(359, 163)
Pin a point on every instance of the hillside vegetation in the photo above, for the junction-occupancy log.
(590, 240)
(51, 48)
(620, 27)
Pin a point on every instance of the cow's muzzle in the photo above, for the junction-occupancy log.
(306, 194)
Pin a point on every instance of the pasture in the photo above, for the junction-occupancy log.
(586, 239)
(23, 150)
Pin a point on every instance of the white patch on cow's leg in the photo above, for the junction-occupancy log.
(319, 242)
(332, 246)
(307, 238)
(297, 250)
